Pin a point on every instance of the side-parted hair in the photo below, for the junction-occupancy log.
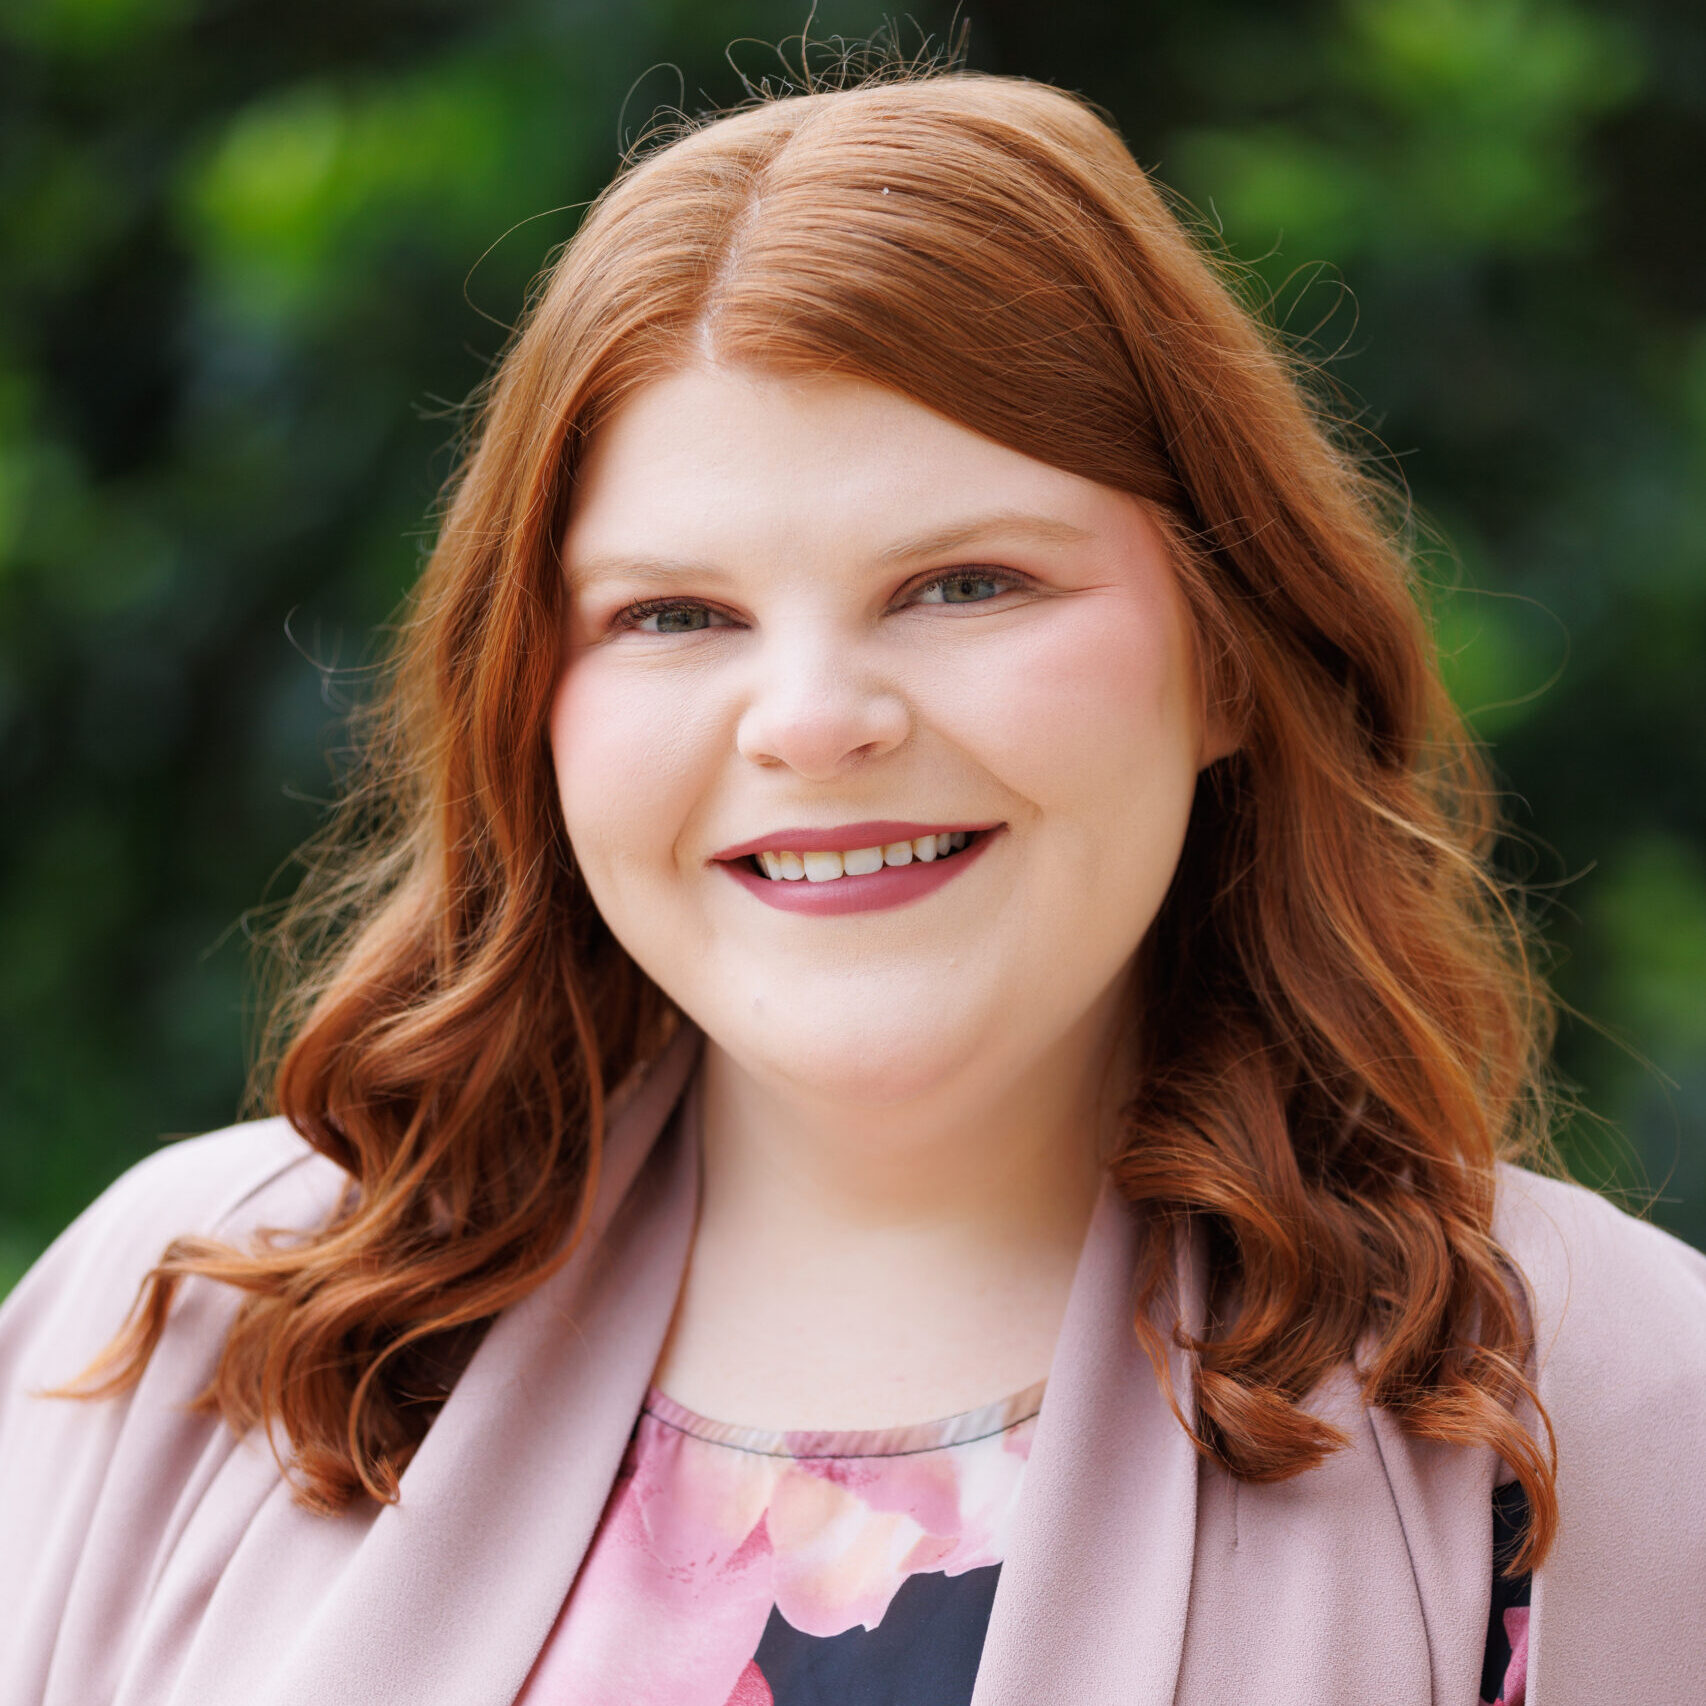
(1338, 1028)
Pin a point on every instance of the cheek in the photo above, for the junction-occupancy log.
(626, 755)
(1091, 715)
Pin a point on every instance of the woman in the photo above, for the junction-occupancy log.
(909, 695)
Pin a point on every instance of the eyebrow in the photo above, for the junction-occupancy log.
(1002, 524)
(1020, 525)
(646, 570)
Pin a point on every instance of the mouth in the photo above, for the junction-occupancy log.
(786, 865)
(875, 877)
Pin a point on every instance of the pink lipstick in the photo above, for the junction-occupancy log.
(893, 885)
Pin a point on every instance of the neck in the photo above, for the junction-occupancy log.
(1015, 1156)
(870, 1265)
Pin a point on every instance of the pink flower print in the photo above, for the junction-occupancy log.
(711, 1527)
(1515, 1689)
(836, 1562)
(701, 1588)
(751, 1690)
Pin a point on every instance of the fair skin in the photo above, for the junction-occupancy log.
(856, 610)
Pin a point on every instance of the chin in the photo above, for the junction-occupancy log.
(904, 1060)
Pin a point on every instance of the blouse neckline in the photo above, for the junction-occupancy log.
(940, 1435)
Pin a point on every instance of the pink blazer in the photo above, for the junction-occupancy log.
(148, 1556)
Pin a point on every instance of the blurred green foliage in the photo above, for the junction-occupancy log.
(252, 255)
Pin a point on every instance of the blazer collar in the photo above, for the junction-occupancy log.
(451, 1592)
(1093, 1595)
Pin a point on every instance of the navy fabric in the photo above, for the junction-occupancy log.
(923, 1653)
(1510, 1517)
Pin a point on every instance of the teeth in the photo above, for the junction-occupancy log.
(861, 861)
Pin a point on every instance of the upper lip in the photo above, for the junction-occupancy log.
(843, 837)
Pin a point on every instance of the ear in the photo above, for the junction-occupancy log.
(1218, 664)
(1223, 727)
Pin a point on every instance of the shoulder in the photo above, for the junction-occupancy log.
(96, 1493)
(1620, 1362)
(1612, 1294)
(226, 1184)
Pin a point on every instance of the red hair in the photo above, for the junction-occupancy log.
(1340, 1032)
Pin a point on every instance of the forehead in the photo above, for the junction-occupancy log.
(711, 461)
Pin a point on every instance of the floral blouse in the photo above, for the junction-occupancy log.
(736, 1567)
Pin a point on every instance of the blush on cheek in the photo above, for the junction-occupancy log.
(631, 753)
(598, 747)
(1093, 698)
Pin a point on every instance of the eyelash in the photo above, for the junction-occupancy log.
(631, 615)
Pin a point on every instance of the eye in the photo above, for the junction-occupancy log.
(668, 616)
(966, 586)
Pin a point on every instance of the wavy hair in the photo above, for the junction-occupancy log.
(1341, 1031)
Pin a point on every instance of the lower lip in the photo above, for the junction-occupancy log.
(893, 885)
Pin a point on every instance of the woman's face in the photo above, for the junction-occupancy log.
(811, 618)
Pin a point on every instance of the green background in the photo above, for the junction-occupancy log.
(253, 255)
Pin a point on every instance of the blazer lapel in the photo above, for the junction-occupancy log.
(1092, 1599)
(451, 1592)
(1139, 1576)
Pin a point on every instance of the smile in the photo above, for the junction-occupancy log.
(826, 867)
(861, 879)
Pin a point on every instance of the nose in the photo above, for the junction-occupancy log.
(816, 706)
